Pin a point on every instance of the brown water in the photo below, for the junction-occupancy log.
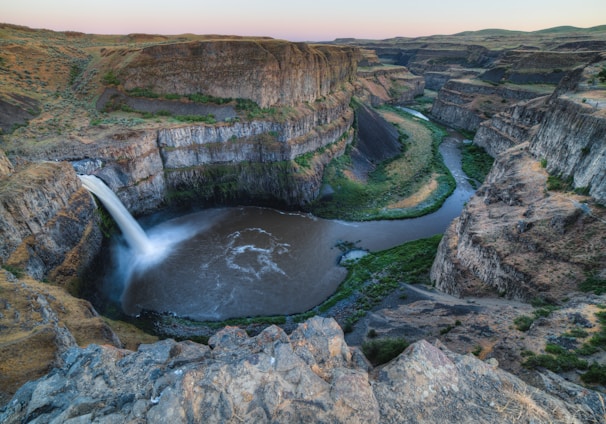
(248, 261)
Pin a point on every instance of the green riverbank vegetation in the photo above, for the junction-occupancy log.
(476, 163)
(413, 183)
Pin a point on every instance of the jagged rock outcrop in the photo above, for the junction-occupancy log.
(464, 104)
(269, 72)
(47, 222)
(309, 375)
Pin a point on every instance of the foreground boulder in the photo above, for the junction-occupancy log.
(310, 375)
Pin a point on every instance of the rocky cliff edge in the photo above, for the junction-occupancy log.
(310, 375)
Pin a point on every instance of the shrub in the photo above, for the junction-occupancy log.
(523, 322)
(563, 362)
(593, 284)
(380, 351)
(577, 333)
(558, 183)
(209, 119)
(17, 272)
(110, 78)
(142, 92)
(446, 329)
(596, 374)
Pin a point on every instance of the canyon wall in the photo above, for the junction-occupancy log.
(572, 140)
(465, 104)
(510, 127)
(253, 160)
(514, 222)
(380, 85)
(266, 71)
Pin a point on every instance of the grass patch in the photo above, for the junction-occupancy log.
(376, 275)
(476, 163)
(142, 92)
(593, 283)
(560, 362)
(596, 374)
(17, 272)
(576, 333)
(559, 359)
(204, 98)
(523, 322)
(109, 78)
(207, 119)
(558, 183)
(381, 351)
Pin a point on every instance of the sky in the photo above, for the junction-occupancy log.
(307, 20)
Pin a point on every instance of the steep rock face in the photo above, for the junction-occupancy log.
(269, 72)
(464, 104)
(382, 85)
(572, 139)
(47, 221)
(17, 110)
(311, 375)
(511, 127)
(511, 225)
(252, 160)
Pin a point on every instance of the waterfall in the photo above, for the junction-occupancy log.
(132, 231)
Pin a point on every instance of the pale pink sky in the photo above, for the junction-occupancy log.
(301, 20)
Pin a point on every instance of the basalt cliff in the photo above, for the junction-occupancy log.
(515, 221)
(210, 120)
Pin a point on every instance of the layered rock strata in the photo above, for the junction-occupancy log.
(380, 85)
(47, 226)
(252, 160)
(464, 104)
(511, 127)
(268, 72)
(572, 140)
(309, 375)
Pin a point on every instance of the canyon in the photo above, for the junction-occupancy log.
(281, 112)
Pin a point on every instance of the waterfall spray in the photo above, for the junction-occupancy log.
(133, 233)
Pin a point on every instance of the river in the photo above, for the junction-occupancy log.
(249, 261)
